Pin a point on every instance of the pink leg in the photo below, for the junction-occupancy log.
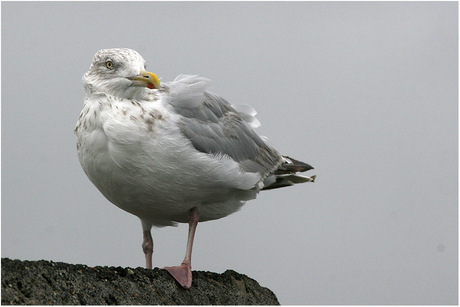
(183, 272)
(147, 247)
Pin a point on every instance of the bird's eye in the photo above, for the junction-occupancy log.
(109, 64)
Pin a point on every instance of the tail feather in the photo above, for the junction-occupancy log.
(286, 175)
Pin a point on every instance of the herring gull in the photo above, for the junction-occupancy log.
(172, 152)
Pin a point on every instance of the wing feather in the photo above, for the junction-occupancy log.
(214, 127)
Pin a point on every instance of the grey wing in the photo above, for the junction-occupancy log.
(216, 128)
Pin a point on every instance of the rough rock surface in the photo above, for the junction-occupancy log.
(46, 282)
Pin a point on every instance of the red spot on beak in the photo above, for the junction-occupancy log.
(150, 85)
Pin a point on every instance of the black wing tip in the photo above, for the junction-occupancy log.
(293, 166)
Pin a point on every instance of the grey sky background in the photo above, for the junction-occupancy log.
(364, 92)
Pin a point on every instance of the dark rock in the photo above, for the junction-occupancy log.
(46, 282)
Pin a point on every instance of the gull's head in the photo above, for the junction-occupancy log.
(119, 72)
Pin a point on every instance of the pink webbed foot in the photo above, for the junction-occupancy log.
(181, 273)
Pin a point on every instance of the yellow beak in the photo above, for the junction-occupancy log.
(146, 79)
